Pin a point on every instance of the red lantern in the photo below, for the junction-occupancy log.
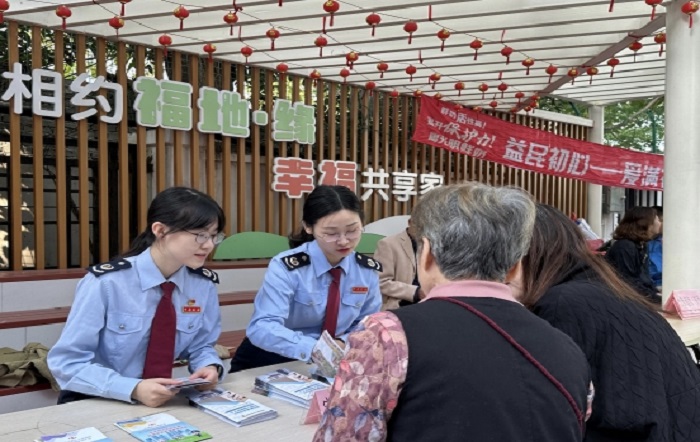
(181, 13)
(64, 12)
(273, 34)
(493, 104)
(410, 27)
(528, 62)
(503, 87)
(382, 67)
(321, 42)
(591, 71)
(660, 38)
(690, 8)
(514, 110)
(315, 75)
(394, 94)
(231, 19)
(165, 40)
(246, 51)
(117, 23)
(438, 96)
(551, 71)
(373, 20)
(434, 78)
(209, 49)
(417, 93)
(477, 108)
(459, 86)
(634, 47)
(653, 4)
(282, 68)
(370, 85)
(612, 63)
(123, 2)
(443, 34)
(4, 6)
(572, 73)
(535, 99)
(350, 58)
(527, 109)
(519, 95)
(345, 73)
(331, 7)
(411, 70)
(483, 87)
(506, 52)
(477, 44)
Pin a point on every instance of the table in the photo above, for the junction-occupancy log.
(687, 329)
(102, 413)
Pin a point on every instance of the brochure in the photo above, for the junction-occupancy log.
(187, 382)
(230, 407)
(327, 355)
(289, 386)
(161, 427)
(90, 434)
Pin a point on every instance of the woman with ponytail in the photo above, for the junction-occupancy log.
(321, 284)
(133, 316)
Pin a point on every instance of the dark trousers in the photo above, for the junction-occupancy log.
(66, 396)
(249, 356)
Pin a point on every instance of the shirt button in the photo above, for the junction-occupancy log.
(358, 304)
(303, 355)
(190, 326)
(121, 327)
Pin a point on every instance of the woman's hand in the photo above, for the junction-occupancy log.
(154, 392)
(209, 374)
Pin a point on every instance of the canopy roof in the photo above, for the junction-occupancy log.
(567, 34)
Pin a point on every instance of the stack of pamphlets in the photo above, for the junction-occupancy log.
(187, 382)
(287, 385)
(230, 407)
(90, 434)
(162, 427)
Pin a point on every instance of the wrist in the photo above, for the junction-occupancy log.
(219, 369)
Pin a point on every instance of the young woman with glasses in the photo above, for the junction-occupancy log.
(321, 284)
(133, 316)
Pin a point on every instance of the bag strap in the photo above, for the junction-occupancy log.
(526, 354)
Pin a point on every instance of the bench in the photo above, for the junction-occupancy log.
(57, 315)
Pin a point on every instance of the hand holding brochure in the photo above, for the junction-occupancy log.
(288, 385)
(327, 355)
(230, 407)
(187, 382)
(90, 434)
(162, 427)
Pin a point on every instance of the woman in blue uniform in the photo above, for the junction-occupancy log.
(321, 284)
(133, 316)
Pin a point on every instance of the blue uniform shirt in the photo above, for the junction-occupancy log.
(655, 251)
(102, 349)
(291, 304)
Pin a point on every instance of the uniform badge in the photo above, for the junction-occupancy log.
(107, 267)
(295, 261)
(191, 307)
(206, 273)
(366, 261)
(360, 290)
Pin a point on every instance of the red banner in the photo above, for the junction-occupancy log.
(481, 136)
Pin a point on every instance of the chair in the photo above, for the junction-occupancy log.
(368, 243)
(251, 245)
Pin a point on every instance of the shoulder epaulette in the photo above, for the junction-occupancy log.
(366, 261)
(295, 261)
(108, 267)
(206, 273)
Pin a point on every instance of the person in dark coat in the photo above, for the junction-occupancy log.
(628, 253)
(647, 387)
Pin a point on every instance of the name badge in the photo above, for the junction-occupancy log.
(360, 290)
(192, 309)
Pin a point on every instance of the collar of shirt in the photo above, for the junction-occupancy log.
(320, 262)
(473, 289)
(150, 275)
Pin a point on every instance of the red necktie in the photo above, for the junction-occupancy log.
(330, 322)
(161, 345)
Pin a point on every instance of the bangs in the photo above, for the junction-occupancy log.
(199, 214)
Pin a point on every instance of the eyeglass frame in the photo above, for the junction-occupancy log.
(338, 236)
(215, 239)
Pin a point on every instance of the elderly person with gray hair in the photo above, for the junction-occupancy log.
(468, 362)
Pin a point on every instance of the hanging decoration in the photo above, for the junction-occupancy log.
(246, 51)
(315, 75)
(181, 13)
(165, 40)
(123, 3)
(690, 8)
(528, 62)
(653, 4)
(321, 42)
(373, 20)
(443, 34)
(282, 68)
(434, 78)
(514, 110)
(634, 47)
(350, 58)
(551, 71)
(231, 19)
(459, 87)
(369, 86)
(438, 96)
(411, 70)
(506, 52)
(612, 63)
(410, 27)
(394, 94)
(519, 95)
(572, 73)
(660, 38)
(4, 6)
(273, 34)
(591, 71)
(382, 67)
(483, 87)
(117, 23)
(417, 93)
(477, 44)
(503, 87)
(209, 49)
(63, 12)
(331, 7)
(493, 104)
(345, 73)
(477, 108)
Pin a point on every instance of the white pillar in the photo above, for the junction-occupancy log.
(681, 253)
(594, 213)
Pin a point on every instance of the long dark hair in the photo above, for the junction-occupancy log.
(635, 224)
(179, 208)
(321, 202)
(558, 249)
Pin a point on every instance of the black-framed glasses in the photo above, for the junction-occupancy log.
(203, 237)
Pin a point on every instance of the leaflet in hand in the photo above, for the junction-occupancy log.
(187, 382)
(90, 434)
(162, 427)
(289, 386)
(230, 407)
(327, 355)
